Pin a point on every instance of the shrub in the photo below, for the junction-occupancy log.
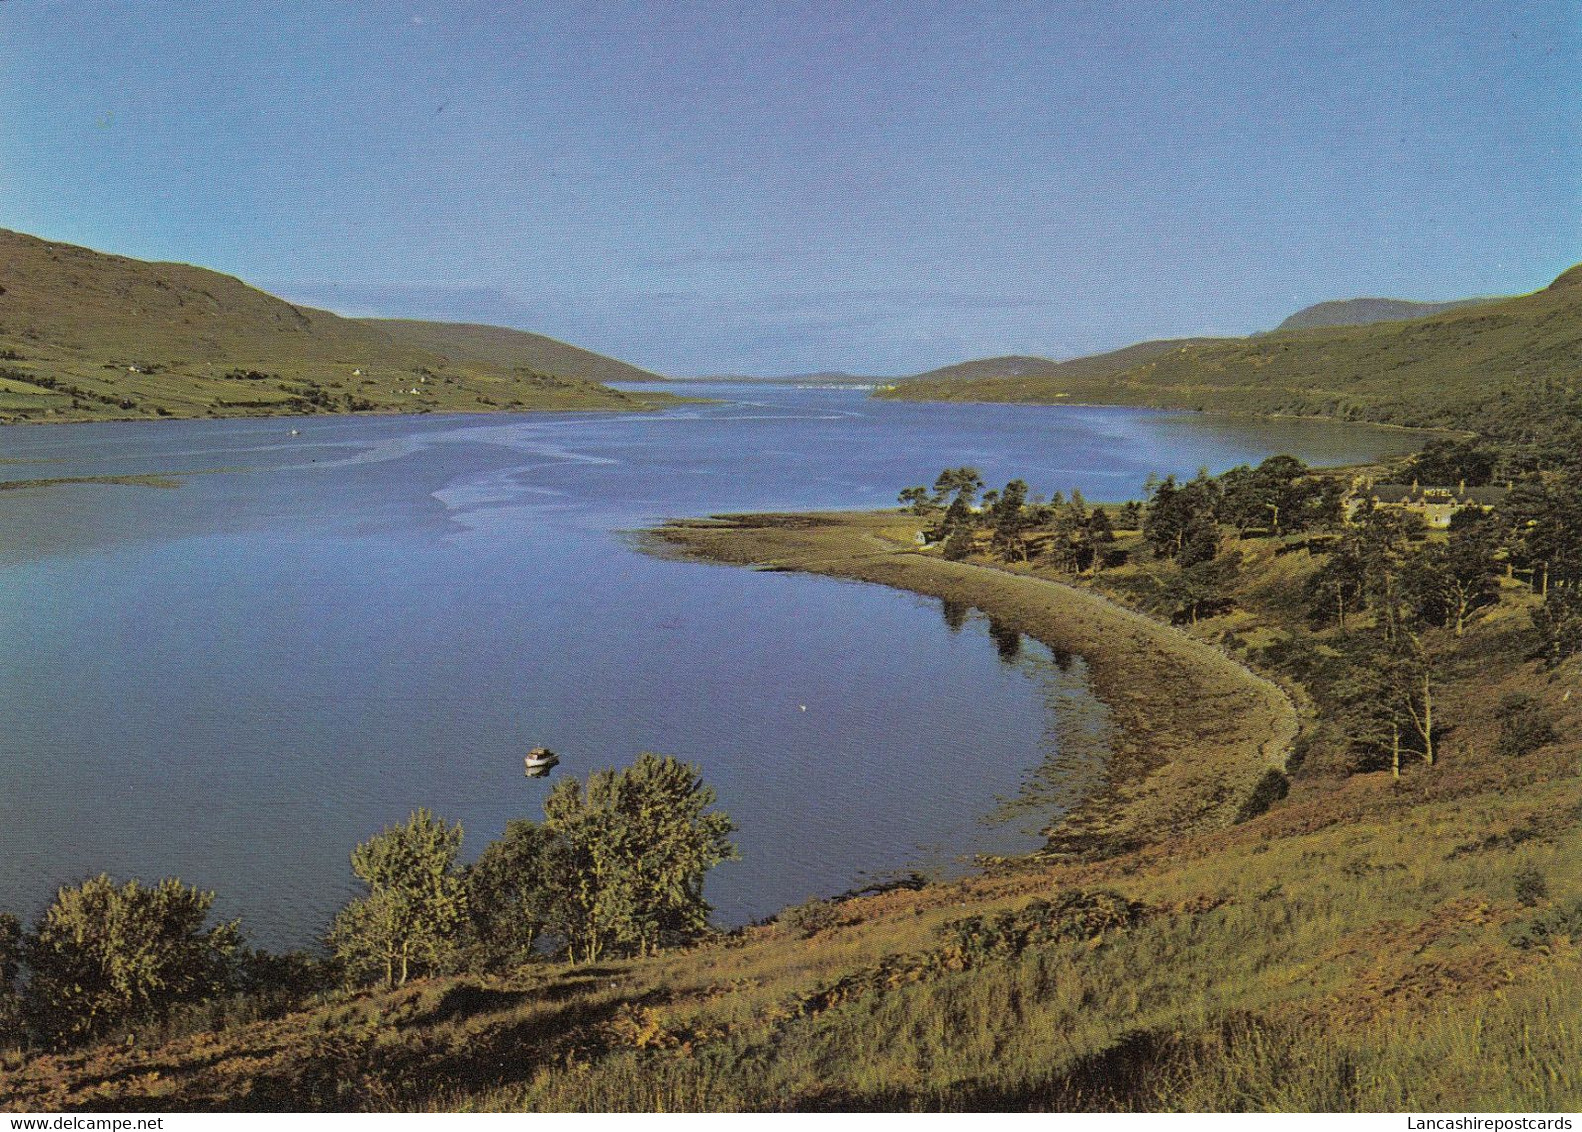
(1530, 887)
(1525, 725)
(104, 955)
(1071, 916)
(1563, 922)
(807, 919)
(10, 1000)
(957, 545)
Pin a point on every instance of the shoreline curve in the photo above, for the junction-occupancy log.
(1195, 733)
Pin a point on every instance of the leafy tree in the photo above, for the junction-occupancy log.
(1131, 515)
(1165, 525)
(1447, 462)
(1370, 714)
(954, 528)
(1336, 588)
(958, 543)
(1518, 517)
(1271, 496)
(1201, 542)
(104, 955)
(1008, 520)
(508, 901)
(1381, 542)
(1409, 679)
(10, 951)
(1099, 536)
(1067, 544)
(1448, 583)
(1559, 625)
(635, 845)
(1323, 505)
(1099, 526)
(1386, 689)
(1203, 586)
(962, 483)
(916, 499)
(1175, 511)
(409, 920)
(1555, 536)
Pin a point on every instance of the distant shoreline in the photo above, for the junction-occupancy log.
(1195, 732)
(653, 403)
(893, 394)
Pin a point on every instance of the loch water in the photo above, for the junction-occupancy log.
(333, 620)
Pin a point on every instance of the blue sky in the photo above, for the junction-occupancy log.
(776, 188)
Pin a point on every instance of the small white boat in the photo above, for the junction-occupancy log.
(539, 761)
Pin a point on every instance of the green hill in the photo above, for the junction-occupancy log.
(1444, 370)
(1361, 312)
(498, 345)
(85, 335)
(1021, 366)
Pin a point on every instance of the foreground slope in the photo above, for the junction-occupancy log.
(1442, 371)
(84, 335)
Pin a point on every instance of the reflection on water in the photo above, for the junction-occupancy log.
(238, 680)
(955, 613)
(1007, 640)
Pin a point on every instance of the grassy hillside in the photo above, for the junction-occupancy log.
(1364, 944)
(1018, 366)
(87, 336)
(497, 345)
(1361, 312)
(1445, 370)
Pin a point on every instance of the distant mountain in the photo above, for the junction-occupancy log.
(832, 377)
(1361, 312)
(89, 335)
(1441, 370)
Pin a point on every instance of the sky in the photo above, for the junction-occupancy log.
(878, 188)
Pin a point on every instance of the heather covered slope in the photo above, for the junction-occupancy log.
(85, 335)
(1447, 370)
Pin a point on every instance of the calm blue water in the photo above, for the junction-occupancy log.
(236, 680)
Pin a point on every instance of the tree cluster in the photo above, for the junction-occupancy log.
(1541, 526)
(1381, 671)
(615, 868)
(1019, 527)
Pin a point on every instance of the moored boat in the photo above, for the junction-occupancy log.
(539, 761)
